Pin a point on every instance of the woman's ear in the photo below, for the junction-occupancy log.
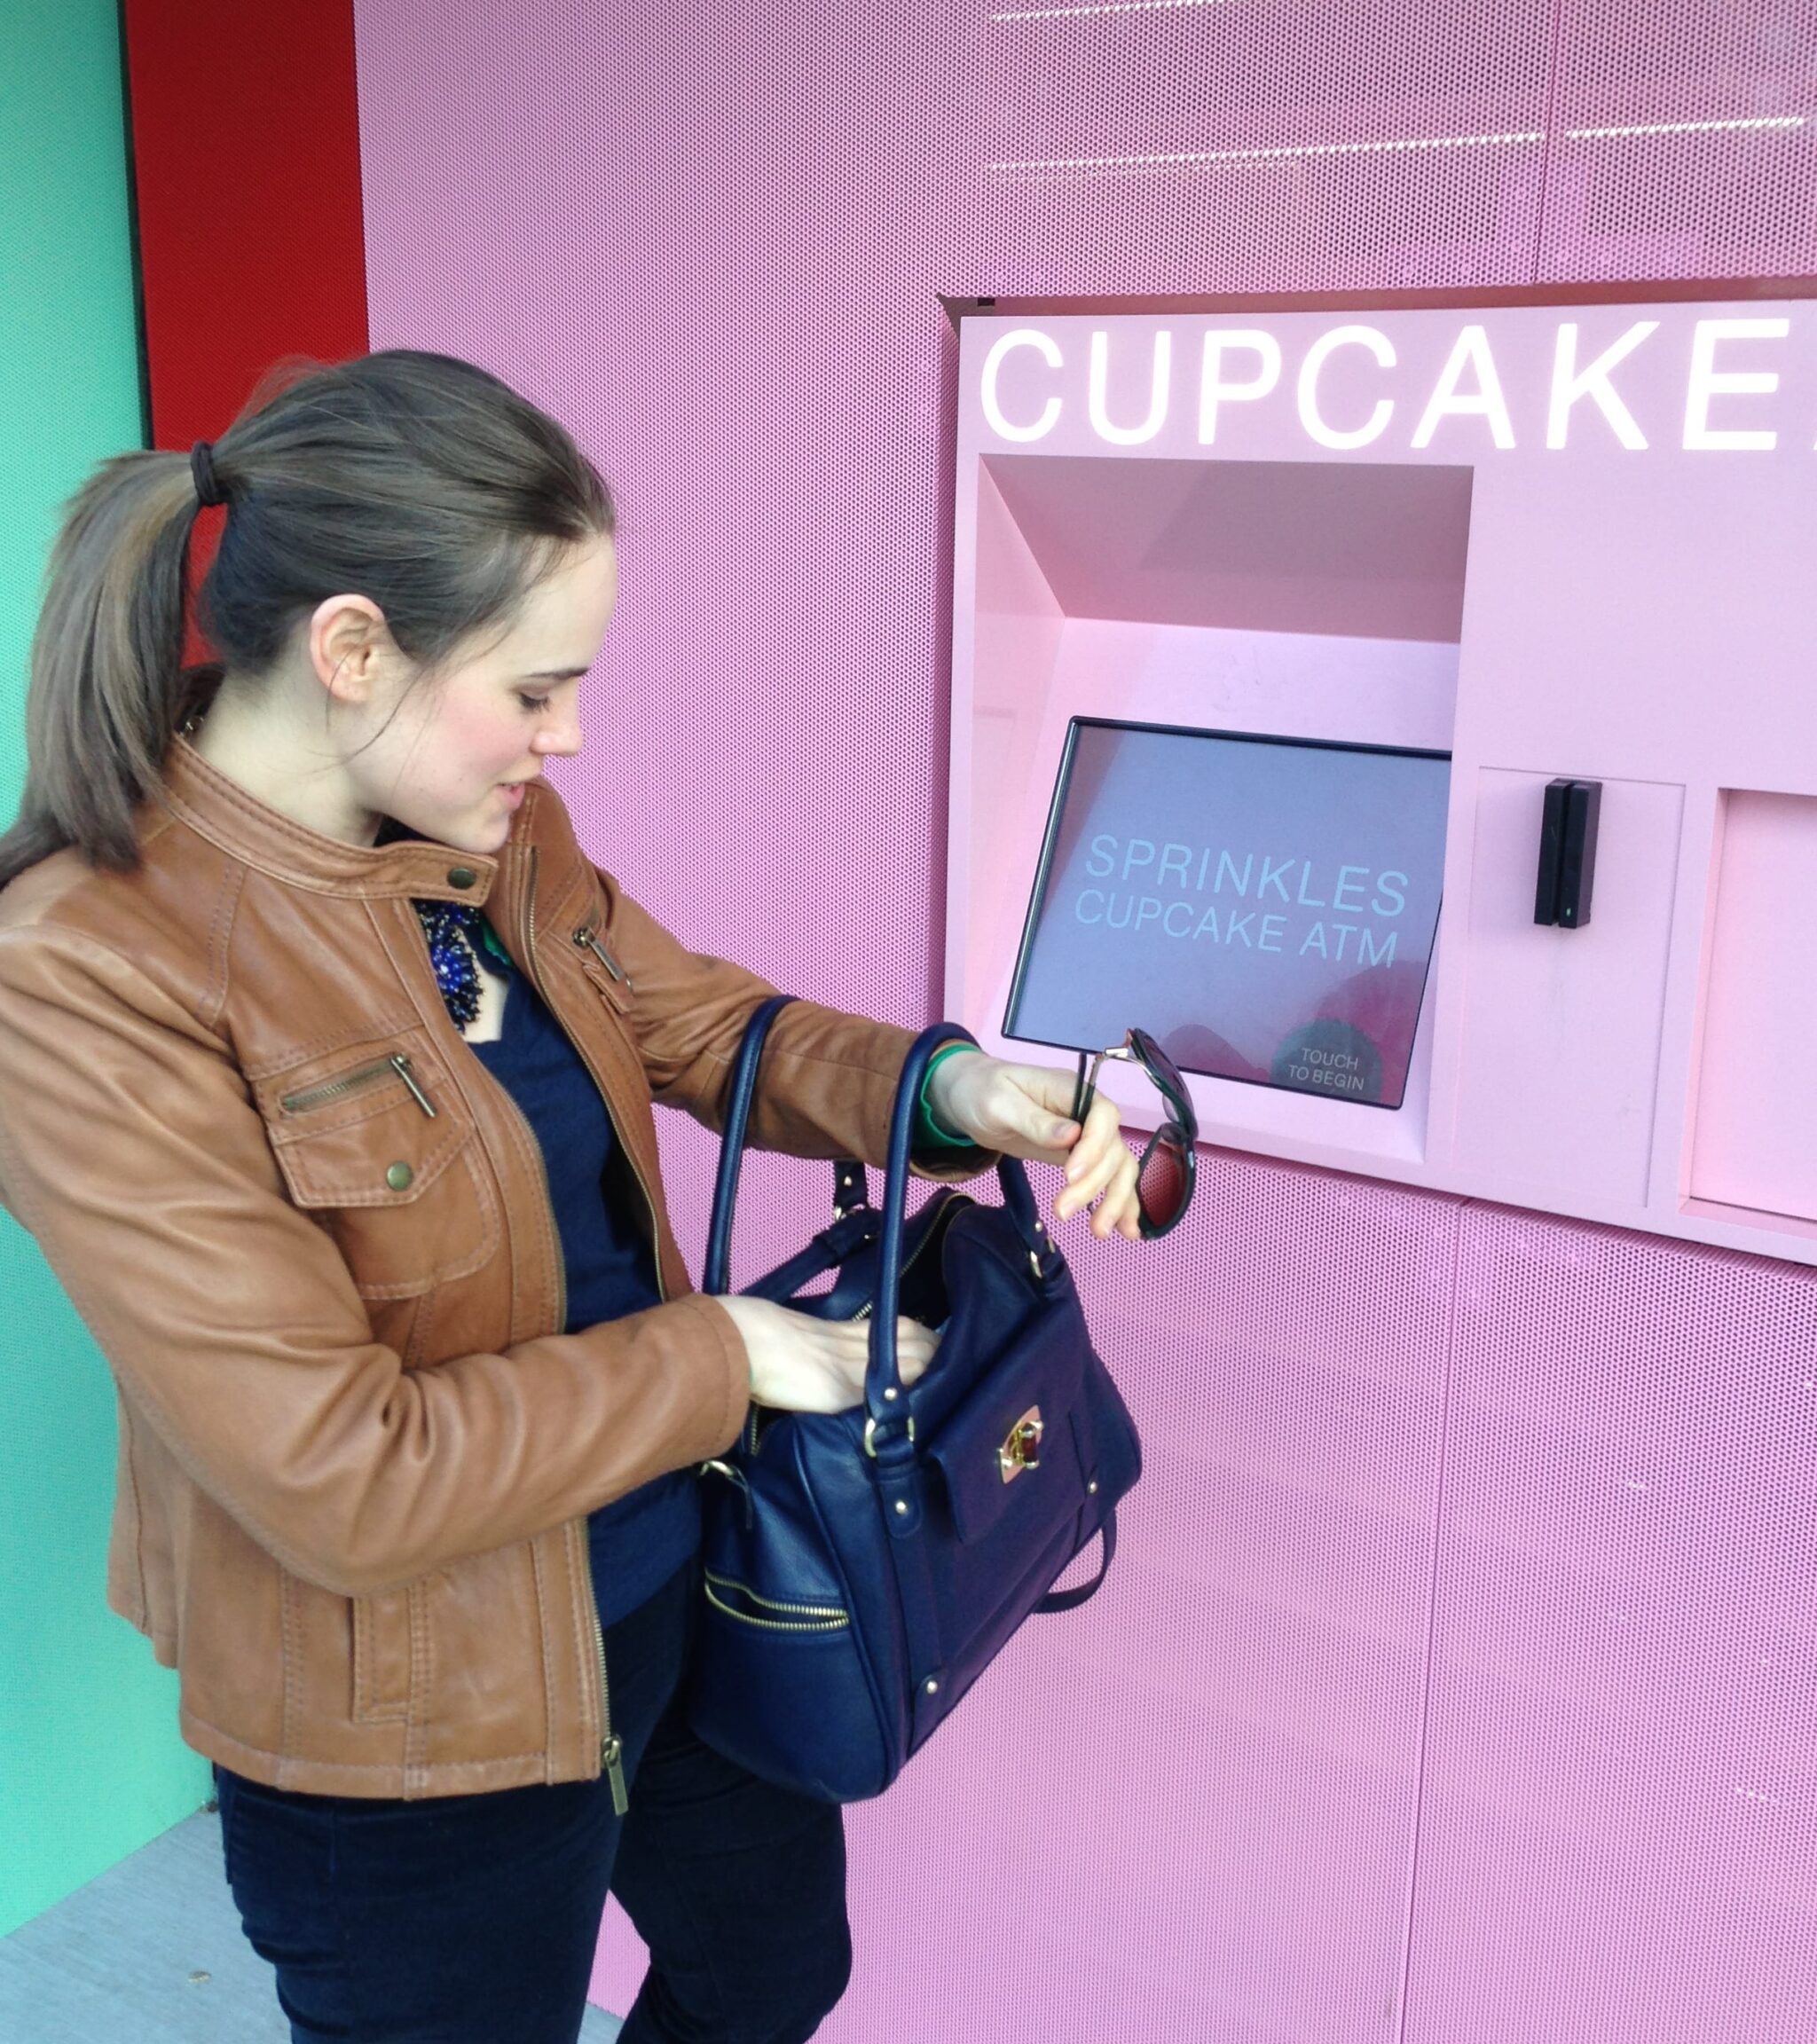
(350, 645)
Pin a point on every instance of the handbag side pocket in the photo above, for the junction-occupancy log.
(740, 1603)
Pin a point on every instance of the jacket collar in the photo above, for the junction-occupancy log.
(221, 811)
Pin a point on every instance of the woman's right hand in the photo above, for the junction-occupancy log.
(802, 1364)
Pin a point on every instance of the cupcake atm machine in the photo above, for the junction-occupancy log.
(1407, 711)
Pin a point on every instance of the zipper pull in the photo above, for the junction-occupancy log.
(612, 1759)
(400, 1064)
(585, 939)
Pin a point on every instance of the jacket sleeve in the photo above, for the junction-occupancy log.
(829, 1078)
(132, 1149)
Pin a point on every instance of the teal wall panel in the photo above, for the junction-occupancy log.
(90, 1766)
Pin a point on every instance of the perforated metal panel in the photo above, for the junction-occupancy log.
(1618, 1835)
(1684, 141)
(712, 236)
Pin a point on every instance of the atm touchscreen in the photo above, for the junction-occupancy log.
(1264, 907)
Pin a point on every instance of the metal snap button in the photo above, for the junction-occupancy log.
(462, 876)
(399, 1175)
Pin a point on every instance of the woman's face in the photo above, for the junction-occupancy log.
(448, 755)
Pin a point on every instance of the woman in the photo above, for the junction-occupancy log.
(327, 1093)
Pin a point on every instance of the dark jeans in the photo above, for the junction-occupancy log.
(473, 1919)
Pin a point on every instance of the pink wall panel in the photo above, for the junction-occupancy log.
(1144, 1809)
(712, 236)
(1618, 1831)
(1682, 142)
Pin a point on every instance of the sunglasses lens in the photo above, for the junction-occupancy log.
(1164, 1184)
(1166, 1075)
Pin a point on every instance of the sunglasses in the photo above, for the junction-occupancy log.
(1165, 1175)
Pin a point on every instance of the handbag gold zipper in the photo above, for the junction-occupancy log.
(870, 1306)
(396, 1065)
(803, 1618)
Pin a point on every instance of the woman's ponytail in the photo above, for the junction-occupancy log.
(107, 689)
(419, 481)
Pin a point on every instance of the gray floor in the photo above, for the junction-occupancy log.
(151, 1953)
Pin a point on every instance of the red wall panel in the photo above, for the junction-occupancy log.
(246, 158)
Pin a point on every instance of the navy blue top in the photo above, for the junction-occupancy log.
(639, 1540)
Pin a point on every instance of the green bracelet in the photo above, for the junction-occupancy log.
(933, 1134)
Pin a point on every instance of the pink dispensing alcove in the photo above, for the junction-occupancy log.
(1456, 1680)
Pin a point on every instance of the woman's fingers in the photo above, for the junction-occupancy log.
(1024, 1109)
(1098, 1158)
(1119, 1210)
(802, 1364)
(851, 1343)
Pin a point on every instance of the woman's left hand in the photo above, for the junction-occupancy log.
(1026, 1111)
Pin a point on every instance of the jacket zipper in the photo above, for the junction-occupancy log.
(397, 1065)
(611, 1746)
(587, 938)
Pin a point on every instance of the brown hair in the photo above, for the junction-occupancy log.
(419, 481)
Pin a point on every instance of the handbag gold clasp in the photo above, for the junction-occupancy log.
(1021, 1448)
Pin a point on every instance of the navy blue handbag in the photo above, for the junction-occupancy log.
(862, 1568)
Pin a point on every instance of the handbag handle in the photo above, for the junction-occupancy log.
(890, 1424)
(883, 1384)
(851, 1190)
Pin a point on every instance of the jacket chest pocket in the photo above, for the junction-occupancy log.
(379, 1146)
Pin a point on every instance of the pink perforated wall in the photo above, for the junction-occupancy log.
(1391, 1725)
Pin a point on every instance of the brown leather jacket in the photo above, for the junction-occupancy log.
(312, 1237)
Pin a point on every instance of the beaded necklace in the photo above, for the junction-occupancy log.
(450, 927)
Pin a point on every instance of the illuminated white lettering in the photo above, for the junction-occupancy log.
(1386, 884)
(1369, 953)
(1141, 852)
(1708, 381)
(1094, 894)
(1271, 876)
(1271, 936)
(1049, 349)
(1569, 383)
(1213, 392)
(1128, 435)
(1226, 863)
(1471, 352)
(1170, 863)
(1317, 355)
(1105, 847)
(1185, 908)
(1346, 885)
